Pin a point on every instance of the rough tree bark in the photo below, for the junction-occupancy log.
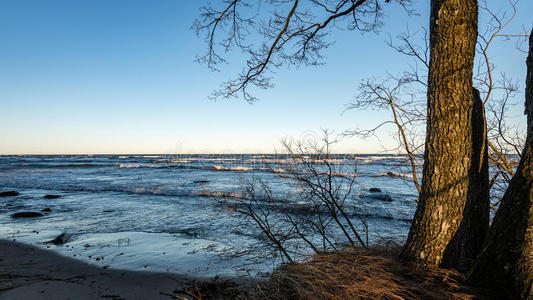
(507, 255)
(467, 242)
(449, 153)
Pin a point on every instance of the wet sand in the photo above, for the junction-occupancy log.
(28, 272)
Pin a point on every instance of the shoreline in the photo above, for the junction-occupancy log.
(147, 251)
(28, 272)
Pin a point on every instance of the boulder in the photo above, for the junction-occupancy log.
(26, 214)
(392, 174)
(374, 190)
(9, 194)
(378, 196)
(51, 196)
(385, 197)
(46, 209)
(61, 239)
(201, 181)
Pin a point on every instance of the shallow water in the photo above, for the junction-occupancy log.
(151, 212)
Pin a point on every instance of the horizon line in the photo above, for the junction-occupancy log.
(166, 154)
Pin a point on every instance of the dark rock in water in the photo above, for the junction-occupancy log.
(61, 239)
(189, 233)
(386, 198)
(9, 204)
(392, 174)
(9, 194)
(52, 196)
(201, 181)
(26, 214)
(378, 196)
(108, 210)
(374, 190)
(46, 209)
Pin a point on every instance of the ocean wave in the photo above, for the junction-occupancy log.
(295, 161)
(40, 165)
(132, 165)
(176, 161)
(188, 166)
(236, 168)
(230, 195)
(346, 174)
(394, 174)
(302, 208)
(376, 158)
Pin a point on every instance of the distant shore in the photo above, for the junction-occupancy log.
(27, 272)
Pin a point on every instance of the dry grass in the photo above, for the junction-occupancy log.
(364, 274)
(353, 273)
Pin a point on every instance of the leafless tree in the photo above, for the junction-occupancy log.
(404, 96)
(320, 216)
(294, 33)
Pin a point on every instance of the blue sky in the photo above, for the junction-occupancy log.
(119, 77)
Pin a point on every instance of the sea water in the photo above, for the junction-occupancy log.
(160, 212)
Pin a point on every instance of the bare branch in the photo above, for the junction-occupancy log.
(296, 37)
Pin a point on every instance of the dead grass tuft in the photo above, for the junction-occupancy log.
(354, 273)
(363, 274)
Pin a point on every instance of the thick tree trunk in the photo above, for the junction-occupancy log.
(467, 242)
(449, 153)
(507, 256)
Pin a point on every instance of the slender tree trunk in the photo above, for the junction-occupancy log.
(467, 242)
(507, 256)
(449, 153)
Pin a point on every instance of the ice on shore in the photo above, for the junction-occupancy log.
(158, 252)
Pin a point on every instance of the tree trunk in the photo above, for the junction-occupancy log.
(449, 154)
(467, 242)
(507, 256)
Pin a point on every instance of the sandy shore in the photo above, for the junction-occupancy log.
(27, 272)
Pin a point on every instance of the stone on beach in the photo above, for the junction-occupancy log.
(61, 239)
(9, 194)
(26, 214)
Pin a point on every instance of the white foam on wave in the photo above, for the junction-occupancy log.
(394, 174)
(370, 159)
(345, 174)
(232, 195)
(293, 161)
(178, 161)
(237, 168)
(142, 190)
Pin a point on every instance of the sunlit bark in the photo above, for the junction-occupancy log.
(448, 181)
(467, 242)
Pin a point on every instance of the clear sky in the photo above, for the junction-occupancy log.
(119, 76)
